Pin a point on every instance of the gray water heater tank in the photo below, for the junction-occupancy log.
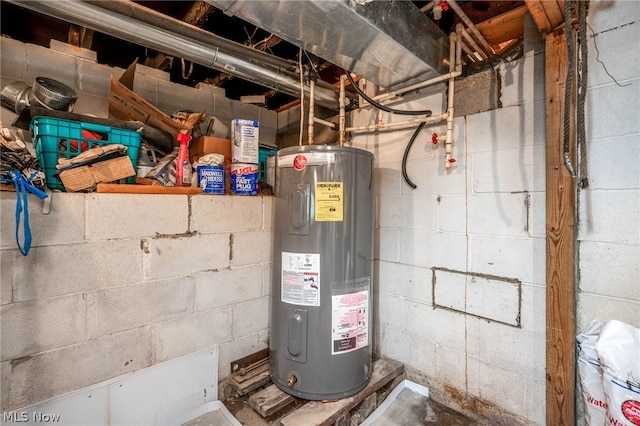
(321, 299)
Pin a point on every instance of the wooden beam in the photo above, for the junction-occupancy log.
(547, 14)
(560, 233)
(504, 27)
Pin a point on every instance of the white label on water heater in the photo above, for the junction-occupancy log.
(301, 278)
(349, 322)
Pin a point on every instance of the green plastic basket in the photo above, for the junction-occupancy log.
(55, 138)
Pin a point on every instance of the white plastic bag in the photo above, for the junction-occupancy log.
(618, 348)
(590, 373)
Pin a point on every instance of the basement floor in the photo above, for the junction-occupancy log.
(266, 405)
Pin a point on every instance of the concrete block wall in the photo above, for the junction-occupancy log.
(116, 283)
(609, 209)
(461, 258)
(79, 70)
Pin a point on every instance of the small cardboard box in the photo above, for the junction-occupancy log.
(87, 177)
(209, 145)
(124, 104)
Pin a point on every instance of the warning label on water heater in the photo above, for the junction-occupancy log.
(349, 322)
(329, 202)
(301, 278)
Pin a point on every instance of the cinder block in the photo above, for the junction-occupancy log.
(43, 62)
(135, 215)
(498, 214)
(211, 89)
(56, 372)
(251, 247)
(592, 306)
(63, 224)
(7, 259)
(535, 392)
(236, 349)
(607, 16)
(391, 212)
(523, 81)
(93, 105)
(38, 326)
(174, 97)
(225, 214)
(422, 355)
(13, 63)
(267, 271)
(392, 343)
(430, 176)
(387, 180)
(409, 282)
(615, 105)
(518, 258)
(422, 248)
(267, 213)
(387, 245)
(510, 348)
(250, 317)
(123, 308)
(76, 268)
(229, 286)
(450, 211)
(600, 156)
(620, 277)
(268, 126)
(391, 310)
(94, 79)
(476, 93)
(622, 67)
(533, 308)
(505, 128)
(509, 170)
(448, 366)
(537, 214)
(495, 385)
(75, 51)
(143, 71)
(611, 216)
(5, 375)
(450, 290)
(192, 333)
(176, 256)
(446, 328)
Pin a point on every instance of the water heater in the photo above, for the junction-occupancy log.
(321, 307)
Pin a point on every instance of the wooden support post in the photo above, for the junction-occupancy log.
(560, 233)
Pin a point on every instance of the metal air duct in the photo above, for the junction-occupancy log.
(137, 24)
(388, 42)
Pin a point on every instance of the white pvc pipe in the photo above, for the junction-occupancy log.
(397, 124)
(341, 121)
(455, 63)
(471, 42)
(456, 8)
(324, 122)
(416, 86)
(312, 89)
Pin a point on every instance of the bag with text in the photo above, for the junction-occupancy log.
(618, 348)
(590, 372)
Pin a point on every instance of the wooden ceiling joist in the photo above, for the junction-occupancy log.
(547, 14)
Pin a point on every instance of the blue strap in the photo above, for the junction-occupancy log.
(22, 186)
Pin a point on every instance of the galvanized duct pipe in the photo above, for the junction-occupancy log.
(176, 38)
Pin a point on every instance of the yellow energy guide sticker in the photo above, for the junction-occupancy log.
(329, 202)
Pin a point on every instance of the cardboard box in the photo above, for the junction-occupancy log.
(124, 104)
(87, 177)
(209, 145)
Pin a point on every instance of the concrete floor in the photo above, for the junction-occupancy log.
(405, 411)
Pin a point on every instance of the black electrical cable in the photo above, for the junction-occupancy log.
(425, 112)
(406, 154)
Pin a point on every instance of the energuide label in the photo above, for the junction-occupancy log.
(301, 278)
(329, 202)
(349, 322)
